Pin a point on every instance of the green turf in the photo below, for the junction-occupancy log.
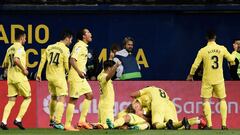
(117, 132)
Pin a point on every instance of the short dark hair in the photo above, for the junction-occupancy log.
(126, 39)
(66, 34)
(107, 64)
(19, 33)
(210, 35)
(235, 39)
(115, 46)
(81, 33)
(130, 109)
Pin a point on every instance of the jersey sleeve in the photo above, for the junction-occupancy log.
(5, 61)
(228, 56)
(42, 63)
(18, 53)
(76, 51)
(66, 60)
(196, 63)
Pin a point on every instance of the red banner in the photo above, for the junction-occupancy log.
(185, 95)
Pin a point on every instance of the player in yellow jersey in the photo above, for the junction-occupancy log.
(77, 81)
(133, 117)
(107, 97)
(18, 85)
(57, 57)
(163, 111)
(212, 82)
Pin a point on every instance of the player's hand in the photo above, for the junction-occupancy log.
(81, 74)
(190, 78)
(38, 78)
(112, 55)
(25, 72)
(119, 63)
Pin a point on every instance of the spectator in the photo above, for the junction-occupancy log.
(235, 69)
(114, 48)
(129, 70)
(92, 65)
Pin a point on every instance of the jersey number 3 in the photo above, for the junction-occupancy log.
(215, 64)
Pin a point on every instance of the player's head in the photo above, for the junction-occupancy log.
(236, 44)
(85, 35)
(20, 36)
(128, 44)
(108, 64)
(211, 35)
(136, 105)
(115, 47)
(66, 37)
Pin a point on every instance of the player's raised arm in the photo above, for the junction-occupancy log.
(113, 70)
(135, 94)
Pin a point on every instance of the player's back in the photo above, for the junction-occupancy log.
(107, 91)
(57, 54)
(212, 57)
(15, 74)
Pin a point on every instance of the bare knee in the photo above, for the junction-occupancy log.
(89, 96)
(72, 100)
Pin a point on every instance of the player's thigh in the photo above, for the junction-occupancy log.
(171, 112)
(85, 87)
(74, 87)
(135, 119)
(12, 90)
(52, 88)
(219, 90)
(24, 88)
(157, 112)
(206, 90)
(61, 88)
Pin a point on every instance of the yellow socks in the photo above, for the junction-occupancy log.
(24, 106)
(59, 112)
(223, 111)
(194, 121)
(52, 106)
(207, 112)
(85, 107)
(7, 111)
(69, 114)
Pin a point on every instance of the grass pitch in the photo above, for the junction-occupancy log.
(118, 132)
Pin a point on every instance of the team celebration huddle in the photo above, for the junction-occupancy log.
(150, 107)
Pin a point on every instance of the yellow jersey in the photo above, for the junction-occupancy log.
(15, 74)
(106, 90)
(79, 53)
(146, 95)
(212, 56)
(57, 57)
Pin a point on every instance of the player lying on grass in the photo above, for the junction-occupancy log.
(162, 110)
(131, 118)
